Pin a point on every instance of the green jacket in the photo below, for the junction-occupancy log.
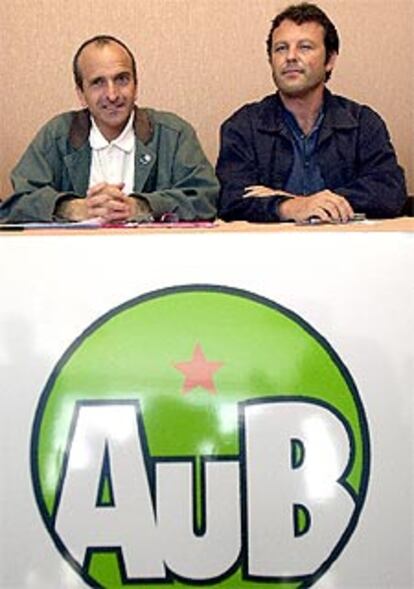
(171, 170)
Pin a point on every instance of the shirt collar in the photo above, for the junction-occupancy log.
(125, 141)
(293, 125)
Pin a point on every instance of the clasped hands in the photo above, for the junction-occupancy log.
(324, 205)
(106, 202)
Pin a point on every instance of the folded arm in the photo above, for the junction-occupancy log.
(242, 195)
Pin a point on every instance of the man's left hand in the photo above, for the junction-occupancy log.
(325, 205)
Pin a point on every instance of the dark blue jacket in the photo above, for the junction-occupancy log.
(354, 152)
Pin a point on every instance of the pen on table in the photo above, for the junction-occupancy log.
(11, 228)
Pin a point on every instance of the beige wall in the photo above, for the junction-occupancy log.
(199, 58)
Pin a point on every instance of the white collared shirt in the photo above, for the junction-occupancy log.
(113, 161)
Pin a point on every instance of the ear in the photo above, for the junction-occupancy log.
(330, 64)
(81, 96)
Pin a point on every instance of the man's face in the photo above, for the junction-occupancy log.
(109, 90)
(298, 58)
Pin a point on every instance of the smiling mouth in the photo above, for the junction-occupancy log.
(113, 108)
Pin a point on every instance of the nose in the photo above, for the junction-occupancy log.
(291, 53)
(111, 91)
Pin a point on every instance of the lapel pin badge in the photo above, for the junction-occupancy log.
(145, 159)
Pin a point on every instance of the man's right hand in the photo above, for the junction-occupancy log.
(325, 205)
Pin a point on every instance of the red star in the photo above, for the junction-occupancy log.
(198, 372)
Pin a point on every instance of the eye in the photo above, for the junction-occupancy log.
(279, 48)
(305, 47)
(123, 79)
(97, 83)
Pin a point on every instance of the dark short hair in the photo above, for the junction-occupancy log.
(100, 40)
(307, 12)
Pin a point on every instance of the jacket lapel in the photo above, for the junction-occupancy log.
(78, 164)
(335, 118)
(145, 159)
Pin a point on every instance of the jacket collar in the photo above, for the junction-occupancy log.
(336, 116)
(81, 125)
(270, 119)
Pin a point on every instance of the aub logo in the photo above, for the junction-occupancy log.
(200, 435)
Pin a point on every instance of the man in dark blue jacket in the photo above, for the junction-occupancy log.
(303, 153)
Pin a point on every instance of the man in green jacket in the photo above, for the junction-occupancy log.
(112, 160)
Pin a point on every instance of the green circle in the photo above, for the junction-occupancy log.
(132, 354)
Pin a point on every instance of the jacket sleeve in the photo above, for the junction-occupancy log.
(237, 168)
(378, 188)
(35, 184)
(192, 189)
